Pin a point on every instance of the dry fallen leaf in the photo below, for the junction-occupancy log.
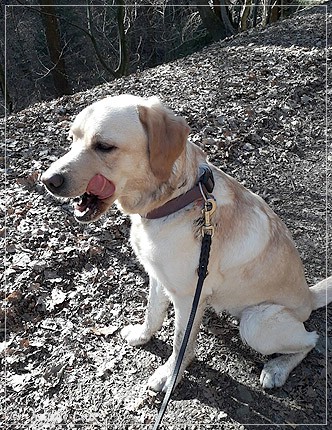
(104, 331)
(24, 343)
(18, 382)
(28, 181)
(14, 297)
(57, 297)
(268, 133)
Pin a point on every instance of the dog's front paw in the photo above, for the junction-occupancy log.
(161, 378)
(136, 334)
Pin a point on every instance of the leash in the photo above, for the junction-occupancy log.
(207, 233)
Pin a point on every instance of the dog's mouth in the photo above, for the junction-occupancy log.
(95, 201)
(87, 208)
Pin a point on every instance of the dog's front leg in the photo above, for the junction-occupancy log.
(158, 302)
(161, 378)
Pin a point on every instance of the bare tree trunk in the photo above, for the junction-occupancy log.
(4, 90)
(275, 11)
(216, 8)
(254, 13)
(226, 18)
(266, 12)
(212, 23)
(52, 34)
(122, 67)
(244, 15)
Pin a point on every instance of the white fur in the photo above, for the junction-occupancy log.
(254, 272)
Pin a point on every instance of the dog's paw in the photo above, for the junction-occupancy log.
(274, 374)
(161, 377)
(136, 334)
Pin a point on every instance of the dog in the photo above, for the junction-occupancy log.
(135, 152)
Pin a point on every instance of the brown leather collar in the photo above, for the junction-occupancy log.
(177, 203)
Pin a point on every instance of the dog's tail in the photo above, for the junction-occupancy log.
(321, 293)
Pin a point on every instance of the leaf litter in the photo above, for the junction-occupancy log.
(256, 104)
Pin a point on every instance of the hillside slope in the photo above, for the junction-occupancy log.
(257, 104)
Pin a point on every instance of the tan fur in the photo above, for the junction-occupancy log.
(255, 271)
(167, 137)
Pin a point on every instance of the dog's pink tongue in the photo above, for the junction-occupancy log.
(100, 187)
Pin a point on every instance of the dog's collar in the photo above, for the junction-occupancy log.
(200, 191)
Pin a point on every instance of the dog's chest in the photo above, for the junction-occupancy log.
(168, 251)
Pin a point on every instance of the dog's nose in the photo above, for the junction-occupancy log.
(53, 182)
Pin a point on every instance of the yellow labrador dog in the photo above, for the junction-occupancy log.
(135, 152)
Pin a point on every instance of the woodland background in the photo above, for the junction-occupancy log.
(47, 51)
(259, 104)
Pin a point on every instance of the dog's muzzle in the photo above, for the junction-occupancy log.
(53, 183)
(92, 203)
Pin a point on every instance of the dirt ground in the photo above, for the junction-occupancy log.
(257, 103)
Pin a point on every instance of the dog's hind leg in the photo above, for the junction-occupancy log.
(158, 302)
(271, 329)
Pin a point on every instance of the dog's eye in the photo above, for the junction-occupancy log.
(104, 147)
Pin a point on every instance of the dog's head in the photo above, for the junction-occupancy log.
(122, 147)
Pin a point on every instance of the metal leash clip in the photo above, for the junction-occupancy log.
(210, 207)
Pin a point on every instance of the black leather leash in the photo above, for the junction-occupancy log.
(206, 179)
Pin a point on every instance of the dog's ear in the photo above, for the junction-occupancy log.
(167, 135)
